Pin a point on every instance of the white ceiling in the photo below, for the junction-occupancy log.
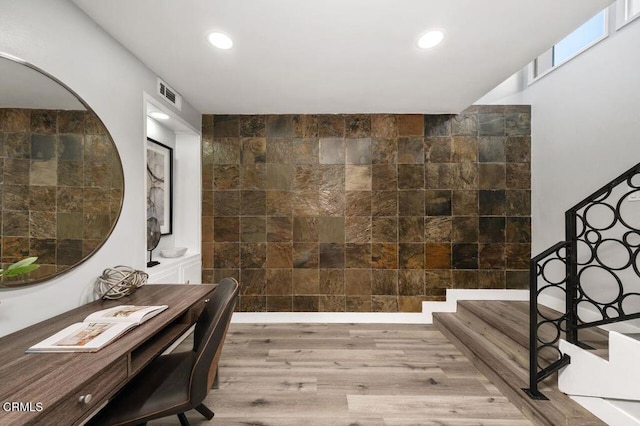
(337, 56)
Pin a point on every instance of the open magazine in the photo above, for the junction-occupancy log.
(98, 329)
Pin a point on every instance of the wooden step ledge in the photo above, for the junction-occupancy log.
(484, 332)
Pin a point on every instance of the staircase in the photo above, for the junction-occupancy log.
(592, 278)
(494, 335)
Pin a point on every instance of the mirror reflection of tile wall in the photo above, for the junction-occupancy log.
(364, 213)
(61, 186)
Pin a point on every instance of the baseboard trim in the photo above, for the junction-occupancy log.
(424, 317)
(330, 317)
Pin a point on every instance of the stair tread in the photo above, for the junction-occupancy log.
(511, 338)
(478, 331)
(500, 351)
(479, 341)
(512, 318)
(507, 319)
(493, 312)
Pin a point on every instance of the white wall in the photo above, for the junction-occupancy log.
(59, 38)
(188, 199)
(158, 132)
(585, 131)
(509, 92)
(585, 127)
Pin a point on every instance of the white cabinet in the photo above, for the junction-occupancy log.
(186, 269)
(165, 276)
(191, 272)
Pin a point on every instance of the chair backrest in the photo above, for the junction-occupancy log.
(211, 329)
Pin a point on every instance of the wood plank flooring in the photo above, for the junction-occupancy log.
(349, 374)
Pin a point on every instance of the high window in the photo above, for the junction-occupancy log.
(588, 34)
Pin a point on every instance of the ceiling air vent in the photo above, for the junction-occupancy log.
(169, 95)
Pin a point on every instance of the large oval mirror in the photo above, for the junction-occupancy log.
(61, 177)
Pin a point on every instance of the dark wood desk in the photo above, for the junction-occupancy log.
(54, 388)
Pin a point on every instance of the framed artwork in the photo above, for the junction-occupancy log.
(160, 185)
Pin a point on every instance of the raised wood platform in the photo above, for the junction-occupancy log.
(494, 335)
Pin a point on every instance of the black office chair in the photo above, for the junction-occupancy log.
(179, 382)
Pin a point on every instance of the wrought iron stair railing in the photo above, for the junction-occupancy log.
(596, 270)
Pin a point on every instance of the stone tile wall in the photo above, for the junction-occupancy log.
(61, 186)
(366, 212)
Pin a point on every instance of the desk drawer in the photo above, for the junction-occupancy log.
(72, 409)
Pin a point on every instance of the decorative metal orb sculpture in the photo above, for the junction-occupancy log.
(119, 281)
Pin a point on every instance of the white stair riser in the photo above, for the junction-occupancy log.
(592, 376)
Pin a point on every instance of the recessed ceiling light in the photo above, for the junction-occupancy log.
(430, 39)
(220, 40)
(159, 115)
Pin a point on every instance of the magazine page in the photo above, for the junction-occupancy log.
(82, 337)
(126, 313)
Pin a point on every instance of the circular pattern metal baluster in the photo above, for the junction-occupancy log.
(608, 242)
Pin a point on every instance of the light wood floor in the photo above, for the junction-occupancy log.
(349, 374)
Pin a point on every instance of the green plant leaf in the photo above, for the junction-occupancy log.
(24, 262)
(10, 272)
(23, 266)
